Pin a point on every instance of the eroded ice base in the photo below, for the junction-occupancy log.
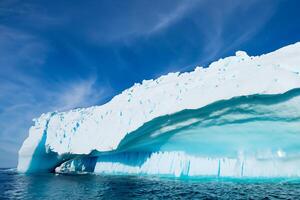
(179, 164)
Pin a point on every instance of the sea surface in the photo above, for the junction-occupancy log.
(62, 187)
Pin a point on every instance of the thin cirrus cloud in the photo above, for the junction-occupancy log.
(167, 19)
(222, 28)
(227, 29)
(100, 22)
(24, 94)
(127, 22)
(21, 106)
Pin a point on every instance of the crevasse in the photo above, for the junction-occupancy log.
(238, 117)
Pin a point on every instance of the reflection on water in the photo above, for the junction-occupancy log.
(51, 186)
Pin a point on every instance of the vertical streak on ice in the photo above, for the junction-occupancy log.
(188, 168)
(242, 170)
(219, 168)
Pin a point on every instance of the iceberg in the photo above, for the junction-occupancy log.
(238, 117)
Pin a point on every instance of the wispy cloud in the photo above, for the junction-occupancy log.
(20, 50)
(20, 105)
(30, 11)
(167, 19)
(79, 93)
(25, 94)
(226, 27)
(139, 20)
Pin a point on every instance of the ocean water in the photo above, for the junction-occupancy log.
(50, 186)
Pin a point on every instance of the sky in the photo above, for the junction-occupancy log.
(58, 55)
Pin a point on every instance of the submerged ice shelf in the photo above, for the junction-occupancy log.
(238, 117)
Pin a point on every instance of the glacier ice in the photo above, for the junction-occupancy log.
(238, 117)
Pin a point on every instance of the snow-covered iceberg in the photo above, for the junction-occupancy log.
(238, 117)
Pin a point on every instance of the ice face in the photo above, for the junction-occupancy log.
(238, 117)
(180, 164)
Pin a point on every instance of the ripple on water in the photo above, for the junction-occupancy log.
(51, 186)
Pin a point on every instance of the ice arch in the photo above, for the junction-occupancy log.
(238, 114)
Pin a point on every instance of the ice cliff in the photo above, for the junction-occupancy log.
(240, 116)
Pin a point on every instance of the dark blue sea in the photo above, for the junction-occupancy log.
(50, 186)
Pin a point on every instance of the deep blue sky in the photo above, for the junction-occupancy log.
(58, 55)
